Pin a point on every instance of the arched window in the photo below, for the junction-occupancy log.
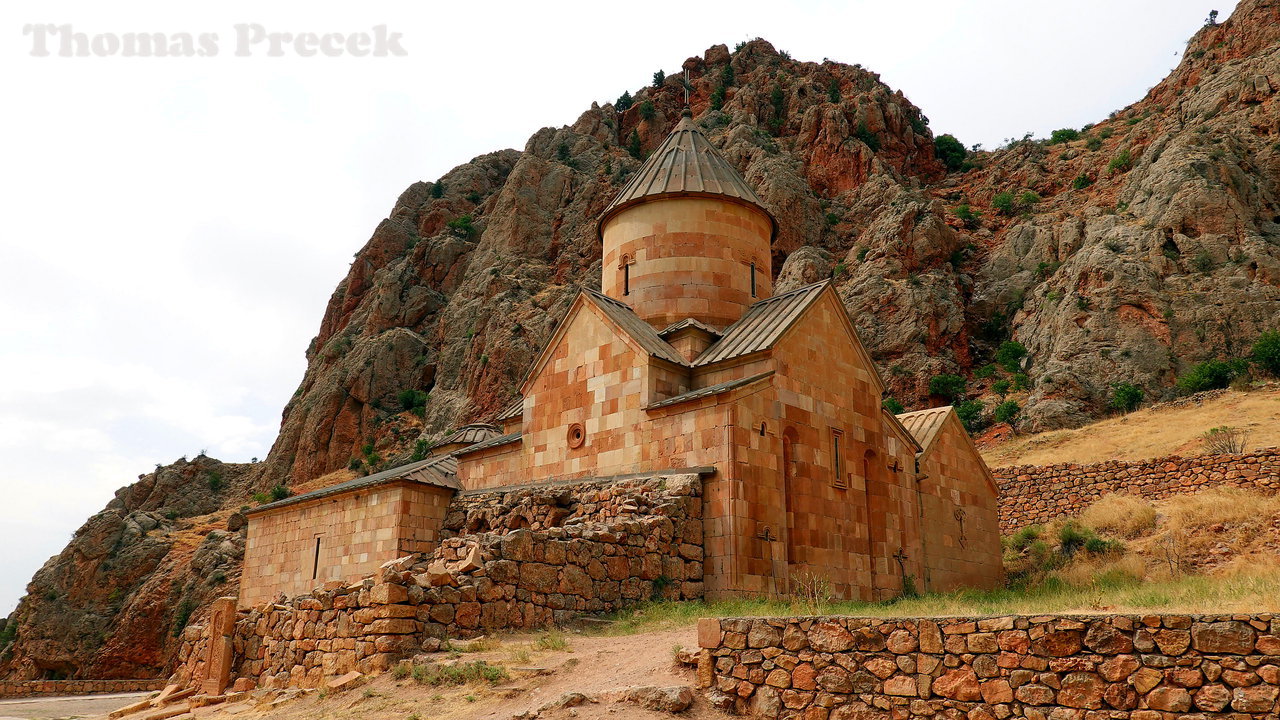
(626, 274)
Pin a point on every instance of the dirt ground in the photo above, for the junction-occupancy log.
(597, 667)
(60, 708)
(1172, 428)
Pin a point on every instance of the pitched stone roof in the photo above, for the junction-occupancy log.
(641, 331)
(925, 424)
(686, 163)
(469, 435)
(762, 324)
(438, 471)
(708, 391)
(686, 323)
(490, 443)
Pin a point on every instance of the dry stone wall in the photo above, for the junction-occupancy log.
(1115, 667)
(1031, 494)
(77, 687)
(629, 541)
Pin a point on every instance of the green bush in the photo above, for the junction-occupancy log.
(1021, 381)
(279, 492)
(1006, 411)
(1004, 203)
(1211, 375)
(462, 226)
(182, 615)
(647, 110)
(946, 385)
(1266, 352)
(623, 102)
(1122, 162)
(985, 371)
(1125, 397)
(968, 216)
(867, 137)
(214, 478)
(833, 90)
(437, 189)
(659, 78)
(1203, 262)
(633, 145)
(1063, 135)
(412, 400)
(950, 151)
(1010, 355)
(1093, 143)
(1022, 539)
(717, 98)
(894, 406)
(1081, 182)
(1000, 387)
(970, 414)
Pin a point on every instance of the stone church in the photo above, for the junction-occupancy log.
(686, 362)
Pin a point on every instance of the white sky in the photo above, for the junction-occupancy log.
(171, 228)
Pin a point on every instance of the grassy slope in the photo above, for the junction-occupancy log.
(1172, 428)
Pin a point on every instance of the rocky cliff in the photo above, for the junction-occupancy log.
(1147, 243)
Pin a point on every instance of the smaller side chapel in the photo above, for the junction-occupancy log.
(687, 362)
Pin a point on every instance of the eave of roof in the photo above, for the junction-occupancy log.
(925, 424)
(495, 442)
(436, 471)
(708, 391)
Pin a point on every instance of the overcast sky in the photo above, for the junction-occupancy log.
(172, 227)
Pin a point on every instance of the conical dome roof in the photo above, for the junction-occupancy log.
(686, 163)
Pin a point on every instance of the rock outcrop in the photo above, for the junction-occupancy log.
(1154, 244)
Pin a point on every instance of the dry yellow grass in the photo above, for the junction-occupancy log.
(1123, 515)
(1150, 432)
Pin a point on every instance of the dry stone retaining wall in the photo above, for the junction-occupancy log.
(77, 687)
(1032, 494)
(1118, 667)
(628, 541)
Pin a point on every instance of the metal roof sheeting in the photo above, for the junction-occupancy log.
(679, 325)
(925, 424)
(643, 333)
(512, 411)
(708, 391)
(762, 325)
(495, 442)
(686, 163)
(438, 471)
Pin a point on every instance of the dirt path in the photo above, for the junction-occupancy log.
(596, 667)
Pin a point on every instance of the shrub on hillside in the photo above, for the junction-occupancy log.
(623, 102)
(1210, 375)
(1009, 355)
(894, 406)
(1121, 163)
(1266, 352)
(647, 110)
(946, 385)
(659, 78)
(1225, 440)
(1063, 135)
(967, 215)
(950, 151)
(1007, 411)
(970, 414)
(1000, 387)
(1003, 202)
(867, 137)
(1081, 182)
(1125, 397)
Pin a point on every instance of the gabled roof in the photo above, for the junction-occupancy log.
(708, 391)
(761, 326)
(438, 471)
(490, 443)
(642, 332)
(925, 424)
(469, 435)
(685, 324)
(686, 163)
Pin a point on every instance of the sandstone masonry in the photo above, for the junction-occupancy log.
(1032, 494)
(77, 687)
(544, 554)
(1139, 667)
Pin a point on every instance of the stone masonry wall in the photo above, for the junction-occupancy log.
(76, 687)
(1116, 667)
(621, 543)
(1032, 494)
